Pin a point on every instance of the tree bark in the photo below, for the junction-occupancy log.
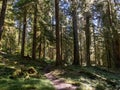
(44, 47)
(115, 39)
(24, 33)
(58, 57)
(40, 48)
(94, 39)
(19, 33)
(87, 34)
(75, 35)
(34, 33)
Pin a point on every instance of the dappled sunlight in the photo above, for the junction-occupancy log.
(85, 78)
(17, 76)
(86, 87)
(58, 72)
(59, 44)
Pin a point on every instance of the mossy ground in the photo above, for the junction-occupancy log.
(9, 64)
(86, 78)
(89, 78)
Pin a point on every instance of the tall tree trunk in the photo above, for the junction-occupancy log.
(24, 33)
(75, 35)
(107, 47)
(40, 48)
(116, 40)
(58, 57)
(81, 55)
(34, 33)
(94, 39)
(44, 47)
(61, 34)
(87, 34)
(19, 34)
(2, 16)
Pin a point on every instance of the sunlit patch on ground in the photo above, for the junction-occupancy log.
(88, 78)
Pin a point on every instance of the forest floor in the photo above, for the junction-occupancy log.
(23, 74)
(85, 78)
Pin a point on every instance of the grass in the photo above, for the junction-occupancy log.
(9, 64)
(23, 84)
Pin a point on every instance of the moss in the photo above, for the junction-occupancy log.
(32, 70)
(100, 87)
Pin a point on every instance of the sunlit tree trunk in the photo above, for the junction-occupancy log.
(94, 38)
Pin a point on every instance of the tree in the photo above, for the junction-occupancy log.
(87, 34)
(34, 32)
(2, 16)
(24, 33)
(58, 56)
(116, 40)
(9, 35)
(75, 35)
